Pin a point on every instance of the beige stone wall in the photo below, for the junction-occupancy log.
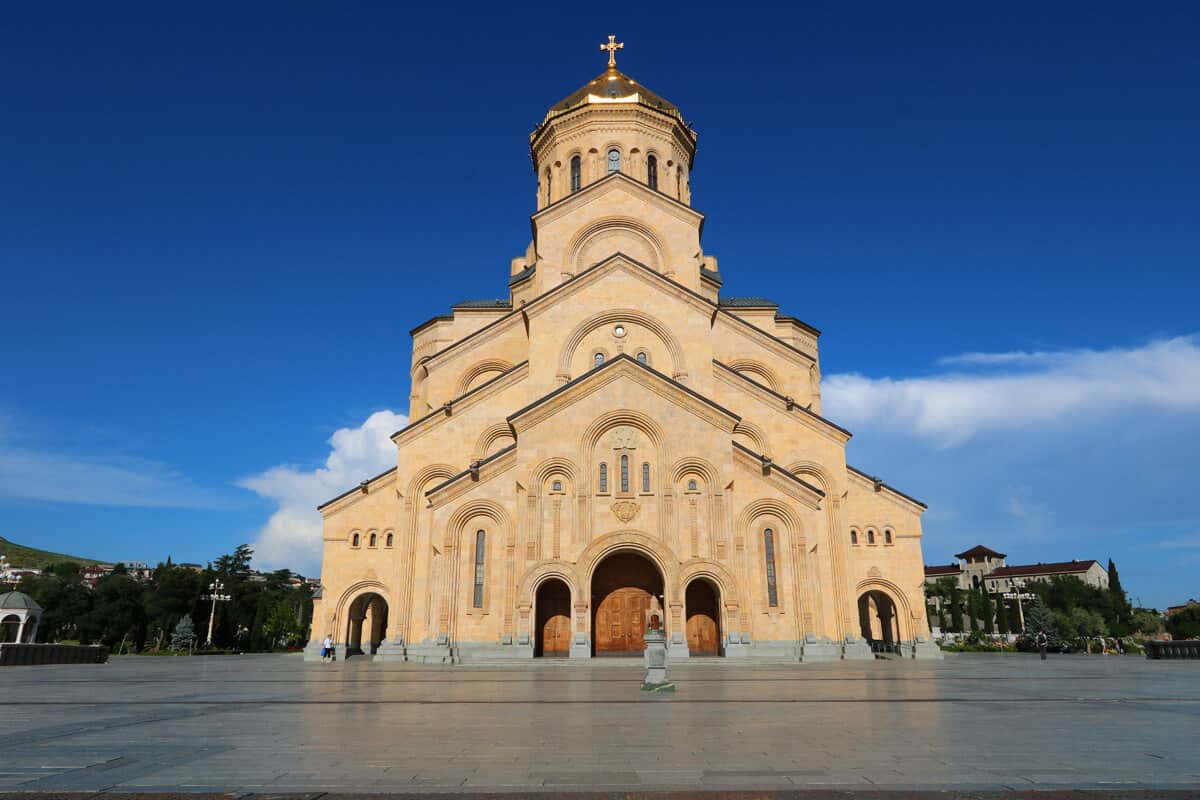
(512, 419)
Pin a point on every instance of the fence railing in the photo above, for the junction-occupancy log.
(1186, 648)
(14, 655)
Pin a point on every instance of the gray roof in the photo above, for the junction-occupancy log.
(483, 304)
(747, 302)
(18, 600)
(522, 275)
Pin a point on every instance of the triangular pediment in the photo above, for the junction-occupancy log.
(605, 188)
(622, 368)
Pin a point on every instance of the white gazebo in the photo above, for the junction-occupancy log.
(19, 617)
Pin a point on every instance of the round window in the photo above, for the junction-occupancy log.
(619, 331)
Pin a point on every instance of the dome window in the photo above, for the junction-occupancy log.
(614, 161)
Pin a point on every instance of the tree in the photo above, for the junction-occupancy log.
(1039, 618)
(973, 608)
(172, 594)
(1121, 618)
(956, 624)
(1185, 623)
(1148, 622)
(281, 626)
(184, 634)
(985, 610)
(1002, 624)
(118, 615)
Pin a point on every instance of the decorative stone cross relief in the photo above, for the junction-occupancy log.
(625, 438)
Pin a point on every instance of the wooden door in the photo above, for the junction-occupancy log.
(554, 619)
(702, 634)
(620, 622)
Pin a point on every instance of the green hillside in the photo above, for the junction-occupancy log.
(21, 556)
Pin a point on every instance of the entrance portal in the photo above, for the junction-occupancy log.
(623, 587)
(703, 629)
(366, 627)
(553, 619)
(878, 621)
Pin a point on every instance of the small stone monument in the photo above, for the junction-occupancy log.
(656, 657)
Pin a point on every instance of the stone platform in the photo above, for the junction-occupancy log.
(276, 725)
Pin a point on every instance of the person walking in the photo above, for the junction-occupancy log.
(327, 648)
(1043, 642)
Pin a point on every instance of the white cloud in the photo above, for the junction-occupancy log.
(1190, 541)
(1020, 390)
(292, 536)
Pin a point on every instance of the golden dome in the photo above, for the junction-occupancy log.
(612, 86)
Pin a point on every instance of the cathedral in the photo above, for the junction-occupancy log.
(619, 437)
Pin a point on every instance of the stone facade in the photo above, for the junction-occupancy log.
(618, 409)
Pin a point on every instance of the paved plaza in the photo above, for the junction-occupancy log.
(274, 724)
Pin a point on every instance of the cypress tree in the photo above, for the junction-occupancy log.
(1122, 612)
(956, 622)
(1002, 625)
(985, 609)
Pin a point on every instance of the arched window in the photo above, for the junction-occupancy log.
(576, 177)
(598, 359)
(480, 538)
(371, 541)
(548, 178)
(556, 486)
(887, 537)
(679, 182)
(870, 537)
(769, 555)
(692, 485)
(652, 172)
(354, 540)
(603, 478)
(388, 540)
(853, 537)
(614, 160)
(645, 476)
(641, 357)
(624, 473)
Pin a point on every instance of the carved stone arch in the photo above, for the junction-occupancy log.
(632, 236)
(635, 419)
(418, 376)
(898, 597)
(492, 439)
(757, 370)
(611, 317)
(703, 467)
(353, 592)
(478, 507)
(490, 367)
(632, 541)
(553, 466)
(422, 478)
(815, 474)
(753, 436)
(715, 572)
(543, 571)
(775, 508)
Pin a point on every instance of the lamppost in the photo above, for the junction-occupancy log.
(215, 595)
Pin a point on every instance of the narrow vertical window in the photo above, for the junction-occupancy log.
(480, 542)
(354, 540)
(548, 179)
(769, 553)
(603, 478)
(652, 172)
(853, 537)
(641, 357)
(598, 359)
(372, 544)
(389, 540)
(624, 473)
(679, 183)
(887, 537)
(645, 476)
(614, 161)
(576, 176)
(870, 537)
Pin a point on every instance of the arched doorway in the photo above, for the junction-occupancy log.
(10, 627)
(878, 621)
(366, 627)
(703, 618)
(553, 615)
(625, 586)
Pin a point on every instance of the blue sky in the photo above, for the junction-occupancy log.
(219, 222)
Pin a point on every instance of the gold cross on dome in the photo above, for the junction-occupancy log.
(612, 47)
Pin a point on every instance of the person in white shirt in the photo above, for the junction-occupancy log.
(327, 648)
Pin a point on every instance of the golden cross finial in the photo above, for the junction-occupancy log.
(612, 47)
